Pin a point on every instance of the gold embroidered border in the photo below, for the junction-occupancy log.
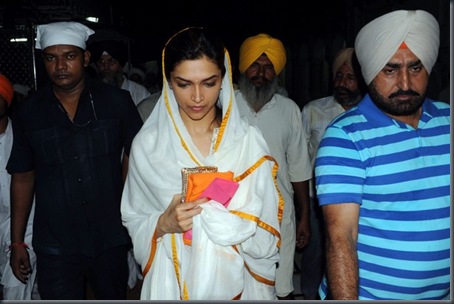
(253, 274)
(280, 210)
(152, 253)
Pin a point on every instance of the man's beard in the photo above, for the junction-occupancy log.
(394, 106)
(346, 97)
(112, 79)
(257, 95)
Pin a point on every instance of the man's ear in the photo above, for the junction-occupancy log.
(87, 56)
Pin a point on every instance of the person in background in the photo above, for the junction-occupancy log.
(12, 288)
(136, 75)
(70, 151)
(110, 57)
(153, 76)
(261, 60)
(153, 79)
(196, 126)
(146, 106)
(383, 172)
(348, 89)
(20, 93)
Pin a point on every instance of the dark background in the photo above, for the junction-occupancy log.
(148, 24)
(312, 31)
(233, 20)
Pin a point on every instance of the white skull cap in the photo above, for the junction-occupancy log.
(67, 32)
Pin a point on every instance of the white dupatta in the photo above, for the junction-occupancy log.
(235, 250)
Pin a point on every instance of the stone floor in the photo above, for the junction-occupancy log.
(297, 278)
(134, 294)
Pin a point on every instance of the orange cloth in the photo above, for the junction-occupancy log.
(6, 89)
(403, 46)
(198, 182)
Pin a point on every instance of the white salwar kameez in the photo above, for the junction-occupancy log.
(234, 250)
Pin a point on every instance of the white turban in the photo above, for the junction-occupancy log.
(137, 71)
(378, 40)
(342, 56)
(71, 33)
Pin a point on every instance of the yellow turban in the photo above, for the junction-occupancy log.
(253, 47)
(6, 89)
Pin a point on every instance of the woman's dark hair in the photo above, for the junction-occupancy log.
(191, 44)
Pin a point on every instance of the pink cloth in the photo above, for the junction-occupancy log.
(219, 190)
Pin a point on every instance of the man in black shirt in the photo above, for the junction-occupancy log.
(70, 150)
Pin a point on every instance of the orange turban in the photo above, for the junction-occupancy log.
(253, 47)
(6, 89)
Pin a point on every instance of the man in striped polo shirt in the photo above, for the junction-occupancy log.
(383, 172)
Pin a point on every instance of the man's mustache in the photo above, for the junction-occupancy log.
(404, 93)
(343, 90)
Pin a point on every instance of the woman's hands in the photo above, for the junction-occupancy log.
(177, 218)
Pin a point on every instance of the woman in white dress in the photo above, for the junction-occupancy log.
(233, 253)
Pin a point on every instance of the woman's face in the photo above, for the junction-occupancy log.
(196, 85)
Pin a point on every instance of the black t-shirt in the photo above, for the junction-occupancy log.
(78, 171)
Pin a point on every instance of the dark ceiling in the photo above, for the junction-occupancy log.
(147, 25)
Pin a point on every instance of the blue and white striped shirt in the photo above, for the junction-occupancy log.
(401, 178)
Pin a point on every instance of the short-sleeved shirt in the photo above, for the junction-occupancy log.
(280, 122)
(77, 165)
(138, 92)
(316, 115)
(400, 176)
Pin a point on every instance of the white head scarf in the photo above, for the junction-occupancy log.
(378, 40)
(71, 33)
(159, 151)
